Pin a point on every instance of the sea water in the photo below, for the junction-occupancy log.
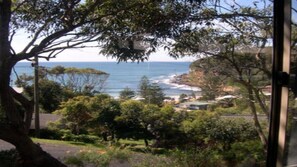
(127, 75)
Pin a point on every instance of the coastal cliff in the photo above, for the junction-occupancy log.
(193, 77)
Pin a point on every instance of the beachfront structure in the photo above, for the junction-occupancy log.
(195, 105)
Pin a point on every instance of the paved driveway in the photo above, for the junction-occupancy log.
(58, 151)
(61, 151)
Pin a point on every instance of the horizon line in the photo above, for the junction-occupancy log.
(26, 61)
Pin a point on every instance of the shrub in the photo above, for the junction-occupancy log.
(197, 158)
(73, 160)
(230, 110)
(50, 134)
(8, 158)
(98, 158)
(246, 152)
(85, 138)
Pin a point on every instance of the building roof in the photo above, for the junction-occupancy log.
(44, 120)
(196, 103)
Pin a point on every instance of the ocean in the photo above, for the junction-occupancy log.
(129, 74)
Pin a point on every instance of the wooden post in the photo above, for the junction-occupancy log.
(36, 97)
(280, 78)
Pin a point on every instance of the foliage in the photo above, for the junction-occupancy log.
(238, 56)
(251, 151)
(148, 160)
(83, 81)
(59, 84)
(51, 93)
(81, 138)
(195, 133)
(166, 128)
(151, 92)
(248, 153)
(74, 161)
(182, 98)
(229, 111)
(76, 113)
(208, 129)
(195, 126)
(197, 158)
(129, 122)
(8, 158)
(50, 133)
(53, 26)
(54, 133)
(135, 33)
(98, 158)
(127, 94)
(84, 114)
(105, 110)
(140, 121)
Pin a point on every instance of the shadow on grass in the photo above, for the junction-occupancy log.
(78, 143)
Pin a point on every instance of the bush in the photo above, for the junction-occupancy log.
(66, 135)
(72, 160)
(85, 138)
(8, 158)
(230, 110)
(97, 158)
(50, 134)
(197, 158)
(246, 153)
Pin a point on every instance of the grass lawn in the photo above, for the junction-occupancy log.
(123, 153)
(69, 143)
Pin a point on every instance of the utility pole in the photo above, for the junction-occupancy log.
(36, 96)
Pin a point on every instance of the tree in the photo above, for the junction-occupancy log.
(127, 94)
(182, 98)
(54, 26)
(129, 121)
(51, 93)
(236, 38)
(165, 127)
(151, 92)
(76, 113)
(209, 132)
(144, 85)
(81, 81)
(148, 117)
(104, 111)
(210, 82)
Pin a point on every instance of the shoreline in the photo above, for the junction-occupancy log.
(183, 79)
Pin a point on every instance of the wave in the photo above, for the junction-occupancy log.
(170, 81)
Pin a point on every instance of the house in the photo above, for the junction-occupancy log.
(195, 105)
(44, 119)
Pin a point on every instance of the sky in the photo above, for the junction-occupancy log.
(90, 54)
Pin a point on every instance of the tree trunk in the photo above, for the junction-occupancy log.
(13, 128)
(31, 154)
(146, 142)
(256, 120)
(261, 102)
